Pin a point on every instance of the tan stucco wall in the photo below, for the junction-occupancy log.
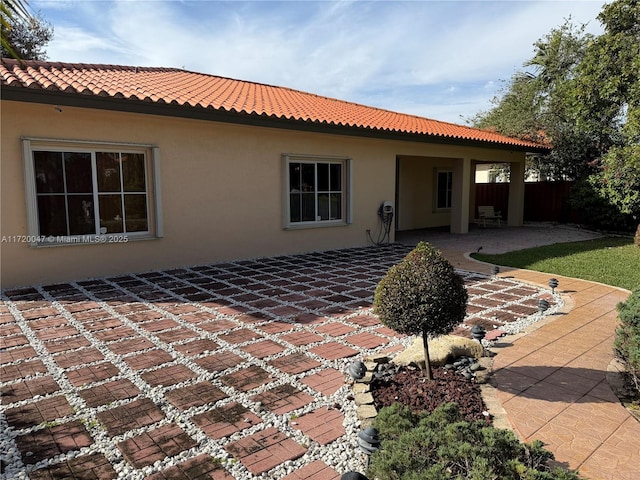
(221, 190)
(416, 198)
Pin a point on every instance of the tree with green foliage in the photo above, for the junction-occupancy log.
(537, 104)
(422, 295)
(443, 446)
(581, 93)
(24, 36)
(608, 99)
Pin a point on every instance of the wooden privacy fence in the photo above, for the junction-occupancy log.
(543, 201)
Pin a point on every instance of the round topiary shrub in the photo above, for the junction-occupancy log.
(422, 295)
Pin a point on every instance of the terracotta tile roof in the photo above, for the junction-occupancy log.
(198, 90)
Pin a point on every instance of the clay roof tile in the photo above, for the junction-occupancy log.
(197, 90)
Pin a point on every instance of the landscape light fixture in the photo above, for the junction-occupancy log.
(553, 283)
(543, 305)
(496, 270)
(478, 332)
(353, 476)
(369, 442)
(357, 370)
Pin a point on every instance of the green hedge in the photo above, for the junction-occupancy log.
(627, 342)
(443, 446)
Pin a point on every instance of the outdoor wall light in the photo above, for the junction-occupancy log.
(553, 283)
(543, 305)
(357, 370)
(353, 476)
(369, 442)
(478, 332)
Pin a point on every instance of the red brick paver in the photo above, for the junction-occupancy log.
(168, 375)
(265, 450)
(247, 378)
(28, 389)
(51, 441)
(333, 351)
(219, 361)
(224, 421)
(327, 381)
(195, 395)
(21, 370)
(42, 411)
(322, 425)
(154, 445)
(295, 363)
(317, 470)
(283, 399)
(92, 373)
(136, 414)
(202, 467)
(86, 467)
(109, 392)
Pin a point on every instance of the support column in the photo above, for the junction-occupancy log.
(460, 197)
(515, 213)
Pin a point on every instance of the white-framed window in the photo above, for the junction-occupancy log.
(444, 188)
(317, 191)
(85, 192)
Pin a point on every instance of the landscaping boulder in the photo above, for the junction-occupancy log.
(442, 349)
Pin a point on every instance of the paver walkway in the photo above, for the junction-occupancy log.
(552, 381)
(552, 384)
(220, 371)
(237, 370)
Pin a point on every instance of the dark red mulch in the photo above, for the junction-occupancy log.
(412, 389)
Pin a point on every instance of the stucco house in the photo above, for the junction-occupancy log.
(111, 169)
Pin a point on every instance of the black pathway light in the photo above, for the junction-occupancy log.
(543, 306)
(478, 332)
(353, 476)
(369, 442)
(357, 370)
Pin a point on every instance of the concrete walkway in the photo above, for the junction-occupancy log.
(552, 381)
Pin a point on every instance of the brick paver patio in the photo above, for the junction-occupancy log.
(221, 371)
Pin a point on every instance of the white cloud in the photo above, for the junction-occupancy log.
(405, 56)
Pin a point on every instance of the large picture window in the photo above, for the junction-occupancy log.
(316, 191)
(83, 193)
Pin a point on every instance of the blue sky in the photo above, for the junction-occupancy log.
(437, 59)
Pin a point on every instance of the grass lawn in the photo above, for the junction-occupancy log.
(611, 260)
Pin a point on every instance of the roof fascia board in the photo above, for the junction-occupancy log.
(21, 94)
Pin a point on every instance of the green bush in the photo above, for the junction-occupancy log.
(443, 446)
(422, 295)
(596, 211)
(627, 342)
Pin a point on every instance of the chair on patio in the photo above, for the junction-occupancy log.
(487, 214)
